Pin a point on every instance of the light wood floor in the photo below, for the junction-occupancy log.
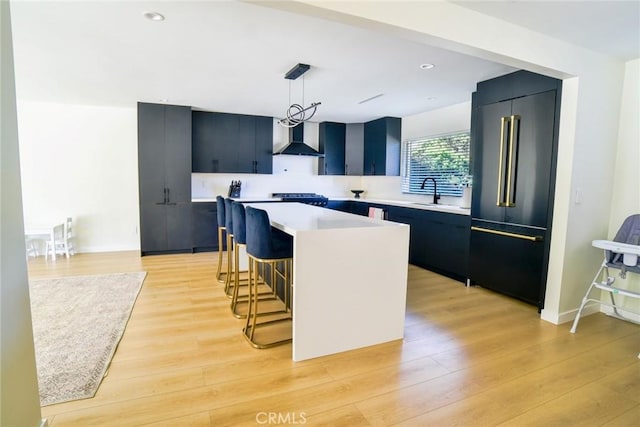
(470, 357)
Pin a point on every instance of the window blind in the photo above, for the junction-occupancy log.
(444, 158)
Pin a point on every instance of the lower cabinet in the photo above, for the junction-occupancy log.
(349, 206)
(204, 217)
(166, 228)
(446, 243)
(438, 241)
(338, 205)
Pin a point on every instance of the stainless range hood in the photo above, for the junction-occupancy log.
(296, 147)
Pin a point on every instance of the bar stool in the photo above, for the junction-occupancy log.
(266, 247)
(228, 225)
(240, 241)
(221, 230)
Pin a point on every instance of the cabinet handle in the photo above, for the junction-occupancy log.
(504, 195)
(507, 234)
(165, 196)
(325, 168)
(168, 202)
(346, 169)
(499, 198)
(511, 198)
(214, 165)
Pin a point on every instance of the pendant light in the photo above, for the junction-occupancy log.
(297, 113)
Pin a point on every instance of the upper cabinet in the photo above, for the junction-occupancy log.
(371, 148)
(382, 146)
(332, 144)
(231, 143)
(354, 149)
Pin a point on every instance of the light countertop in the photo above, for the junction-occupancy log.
(237, 199)
(296, 217)
(401, 203)
(410, 204)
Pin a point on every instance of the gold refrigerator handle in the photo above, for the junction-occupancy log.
(507, 234)
(499, 201)
(512, 136)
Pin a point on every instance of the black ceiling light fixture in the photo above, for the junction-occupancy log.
(296, 113)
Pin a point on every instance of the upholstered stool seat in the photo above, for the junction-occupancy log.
(273, 250)
(220, 215)
(239, 301)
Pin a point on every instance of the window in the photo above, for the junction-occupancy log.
(444, 158)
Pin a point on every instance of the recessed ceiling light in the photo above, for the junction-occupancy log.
(426, 66)
(154, 16)
(431, 98)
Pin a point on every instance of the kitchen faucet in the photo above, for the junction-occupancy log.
(435, 189)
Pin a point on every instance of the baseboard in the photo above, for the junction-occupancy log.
(633, 316)
(107, 248)
(568, 316)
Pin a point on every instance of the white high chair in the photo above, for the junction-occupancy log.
(623, 253)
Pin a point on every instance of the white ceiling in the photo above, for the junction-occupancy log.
(232, 56)
(609, 27)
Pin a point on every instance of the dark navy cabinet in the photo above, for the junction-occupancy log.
(438, 241)
(332, 144)
(354, 149)
(371, 148)
(382, 146)
(515, 124)
(164, 174)
(231, 143)
(349, 206)
(205, 226)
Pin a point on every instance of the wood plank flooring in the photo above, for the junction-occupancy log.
(470, 357)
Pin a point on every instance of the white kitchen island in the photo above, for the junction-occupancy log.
(349, 278)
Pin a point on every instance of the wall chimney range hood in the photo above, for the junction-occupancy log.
(296, 147)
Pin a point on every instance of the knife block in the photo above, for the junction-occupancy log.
(234, 191)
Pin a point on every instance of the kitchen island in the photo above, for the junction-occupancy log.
(349, 278)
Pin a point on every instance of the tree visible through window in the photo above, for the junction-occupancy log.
(444, 158)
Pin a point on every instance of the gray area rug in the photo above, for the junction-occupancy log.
(77, 325)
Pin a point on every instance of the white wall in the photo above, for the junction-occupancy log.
(19, 400)
(444, 120)
(626, 197)
(626, 189)
(81, 161)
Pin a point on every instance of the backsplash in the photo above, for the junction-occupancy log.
(209, 185)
